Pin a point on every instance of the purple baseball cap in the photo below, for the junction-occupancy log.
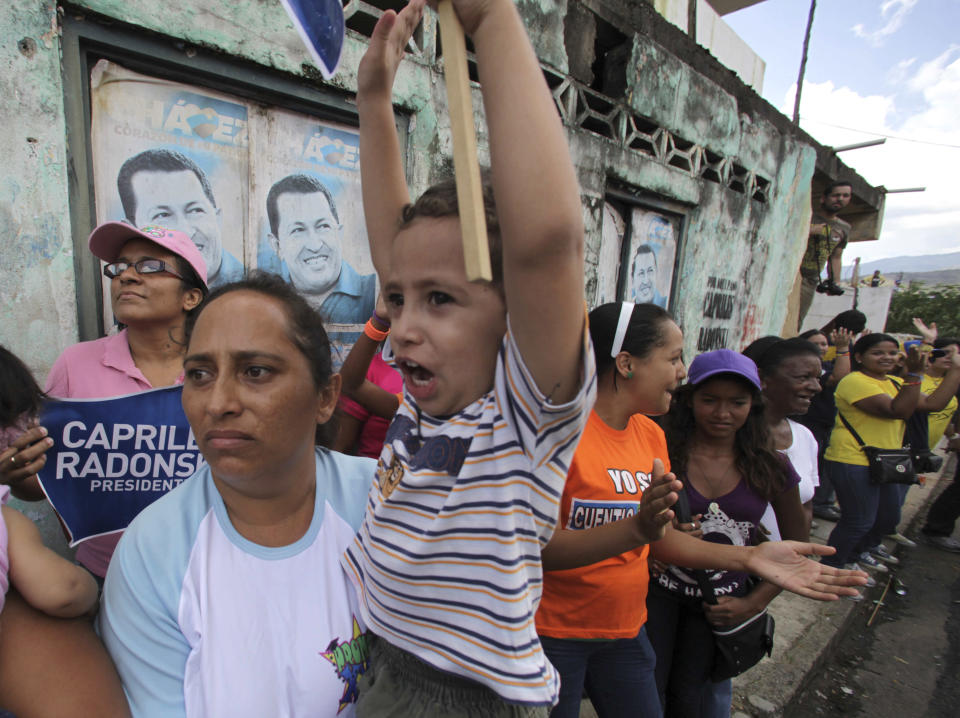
(722, 361)
(108, 239)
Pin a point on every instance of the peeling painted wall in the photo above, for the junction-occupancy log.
(38, 311)
(750, 248)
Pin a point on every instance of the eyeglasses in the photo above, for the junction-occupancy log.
(144, 266)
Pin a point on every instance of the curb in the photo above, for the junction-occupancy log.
(808, 631)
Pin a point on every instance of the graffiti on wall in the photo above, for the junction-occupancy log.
(719, 308)
(752, 324)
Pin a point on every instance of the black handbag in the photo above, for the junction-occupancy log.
(886, 466)
(736, 648)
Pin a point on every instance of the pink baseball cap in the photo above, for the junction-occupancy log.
(108, 239)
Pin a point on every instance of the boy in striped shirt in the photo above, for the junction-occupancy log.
(498, 378)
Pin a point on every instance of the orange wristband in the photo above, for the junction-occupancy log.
(374, 333)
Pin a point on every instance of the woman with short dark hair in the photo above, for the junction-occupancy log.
(790, 374)
(226, 596)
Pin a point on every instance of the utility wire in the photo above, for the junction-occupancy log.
(880, 134)
(803, 63)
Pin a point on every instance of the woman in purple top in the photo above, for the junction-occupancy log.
(720, 447)
(157, 277)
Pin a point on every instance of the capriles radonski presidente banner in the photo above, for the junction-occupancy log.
(111, 458)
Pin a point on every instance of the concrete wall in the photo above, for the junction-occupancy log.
(739, 253)
(714, 34)
(38, 311)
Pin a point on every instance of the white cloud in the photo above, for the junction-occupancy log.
(898, 75)
(893, 12)
(914, 223)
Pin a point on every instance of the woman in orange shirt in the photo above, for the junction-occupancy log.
(639, 365)
(616, 501)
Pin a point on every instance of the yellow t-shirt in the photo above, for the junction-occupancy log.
(937, 420)
(874, 430)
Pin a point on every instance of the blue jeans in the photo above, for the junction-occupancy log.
(867, 512)
(682, 640)
(893, 520)
(617, 675)
(716, 699)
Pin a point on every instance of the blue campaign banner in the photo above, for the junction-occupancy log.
(111, 458)
(322, 28)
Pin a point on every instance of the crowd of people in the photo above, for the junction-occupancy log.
(493, 531)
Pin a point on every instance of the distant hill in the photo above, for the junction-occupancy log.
(909, 265)
(946, 276)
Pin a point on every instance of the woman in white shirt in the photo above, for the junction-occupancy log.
(790, 374)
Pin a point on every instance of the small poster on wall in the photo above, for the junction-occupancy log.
(648, 271)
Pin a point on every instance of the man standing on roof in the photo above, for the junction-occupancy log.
(827, 240)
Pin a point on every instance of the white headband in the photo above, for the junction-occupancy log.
(626, 311)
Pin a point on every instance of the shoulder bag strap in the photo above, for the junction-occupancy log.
(683, 515)
(850, 429)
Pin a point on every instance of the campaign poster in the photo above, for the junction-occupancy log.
(311, 228)
(254, 186)
(111, 458)
(651, 256)
(173, 155)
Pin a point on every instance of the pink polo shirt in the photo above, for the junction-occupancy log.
(4, 561)
(100, 369)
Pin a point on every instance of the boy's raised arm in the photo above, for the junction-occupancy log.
(537, 196)
(383, 184)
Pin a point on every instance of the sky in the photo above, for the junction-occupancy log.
(875, 67)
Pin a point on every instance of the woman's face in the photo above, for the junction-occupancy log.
(149, 298)
(721, 406)
(249, 395)
(820, 342)
(657, 375)
(943, 364)
(879, 359)
(791, 387)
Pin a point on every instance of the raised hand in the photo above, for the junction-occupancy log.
(390, 37)
(470, 12)
(654, 513)
(841, 339)
(785, 564)
(915, 360)
(929, 333)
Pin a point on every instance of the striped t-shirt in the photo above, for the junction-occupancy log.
(447, 561)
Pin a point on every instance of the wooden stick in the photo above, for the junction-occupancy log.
(473, 223)
(880, 602)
